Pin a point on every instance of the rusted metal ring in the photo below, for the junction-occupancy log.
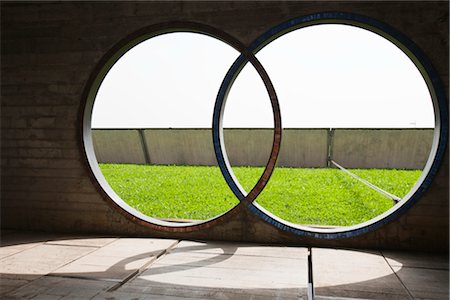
(218, 141)
(90, 92)
(440, 105)
(248, 55)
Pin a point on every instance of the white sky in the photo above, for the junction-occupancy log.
(325, 76)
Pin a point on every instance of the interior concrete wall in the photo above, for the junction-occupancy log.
(49, 50)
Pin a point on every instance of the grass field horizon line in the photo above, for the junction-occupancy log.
(247, 166)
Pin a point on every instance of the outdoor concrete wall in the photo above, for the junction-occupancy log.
(118, 146)
(183, 146)
(307, 148)
(49, 51)
(300, 148)
(397, 149)
(180, 147)
(248, 147)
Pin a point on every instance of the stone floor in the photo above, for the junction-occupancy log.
(54, 266)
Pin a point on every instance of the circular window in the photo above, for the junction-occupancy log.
(147, 126)
(364, 113)
(365, 125)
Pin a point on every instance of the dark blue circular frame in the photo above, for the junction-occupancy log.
(425, 67)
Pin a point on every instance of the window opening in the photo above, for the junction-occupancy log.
(370, 133)
(372, 130)
(149, 116)
(358, 121)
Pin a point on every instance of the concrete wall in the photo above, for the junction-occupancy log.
(301, 148)
(49, 50)
(399, 149)
(118, 146)
(248, 147)
(304, 148)
(180, 147)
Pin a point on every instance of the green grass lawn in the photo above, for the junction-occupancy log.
(302, 196)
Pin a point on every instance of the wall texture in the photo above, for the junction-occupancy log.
(50, 50)
(301, 148)
(119, 146)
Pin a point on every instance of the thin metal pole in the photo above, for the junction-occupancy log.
(370, 185)
(310, 276)
(144, 146)
(330, 141)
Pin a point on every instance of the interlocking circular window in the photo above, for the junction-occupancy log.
(320, 175)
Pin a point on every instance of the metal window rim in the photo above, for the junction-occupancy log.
(440, 137)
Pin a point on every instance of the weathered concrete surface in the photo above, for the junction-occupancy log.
(424, 283)
(355, 274)
(180, 147)
(49, 52)
(40, 260)
(416, 260)
(305, 148)
(390, 148)
(217, 270)
(224, 271)
(425, 275)
(118, 146)
(245, 147)
(116, 260)
(300, 148)
(49, 287)
(248, 147)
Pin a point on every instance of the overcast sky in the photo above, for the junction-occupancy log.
(325, 76)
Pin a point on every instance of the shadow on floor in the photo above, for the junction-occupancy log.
(414, 275)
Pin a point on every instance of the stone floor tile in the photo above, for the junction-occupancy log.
(116, 295)
(27, 237)
(201, 270)
(335, 298)
(207, 270)
(417, 259)
(47, 286)
(117, 260)
(354, 274)
(18, 241)
(47, 297)
(8, 285)
(425, 283)
(233, 262)
(215, 291)
(227, 277)
(71, 297)
(239, 248)
(83, 241)
(188, 292)
(133, 246)
(41, 260)
(6, 251)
